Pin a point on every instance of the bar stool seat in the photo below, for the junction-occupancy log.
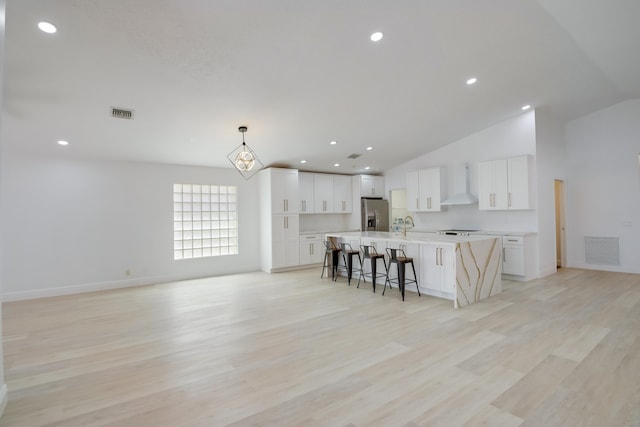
(331, 257)
(370, 253)
(347, 257)
(400, 259)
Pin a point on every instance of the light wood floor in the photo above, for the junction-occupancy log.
(292, 349)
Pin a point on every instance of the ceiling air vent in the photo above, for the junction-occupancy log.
(354, 156)
(121, 113)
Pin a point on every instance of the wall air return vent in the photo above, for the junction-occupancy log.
(121, 113)
(354, 156)
(602, 250)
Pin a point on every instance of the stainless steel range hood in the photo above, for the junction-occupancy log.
(462, 195)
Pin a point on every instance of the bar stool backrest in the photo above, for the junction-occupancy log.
(395, 253)
(368, 251)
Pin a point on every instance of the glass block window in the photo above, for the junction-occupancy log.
(205, 220)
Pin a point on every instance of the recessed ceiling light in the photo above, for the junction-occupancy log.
(526, 107)
(367, 168)
(47, 27)
(376, 37)
(336, 164)
(369, 148)
(333, 142)
(61, 142)
(472, 80)
(303, 161)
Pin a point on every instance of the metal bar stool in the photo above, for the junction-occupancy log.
(347, 257)
(370, 253)
(331, 257)
(400, 259)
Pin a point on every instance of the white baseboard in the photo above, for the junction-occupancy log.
(102, 286)
(77, 289)
(4, 398)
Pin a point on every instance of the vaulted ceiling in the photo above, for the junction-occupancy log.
(302, 73)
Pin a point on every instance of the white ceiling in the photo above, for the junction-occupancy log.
(301, 73)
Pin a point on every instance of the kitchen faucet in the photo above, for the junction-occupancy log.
(406, 219)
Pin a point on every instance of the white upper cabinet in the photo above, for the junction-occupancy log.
(424, 190)
(371, 186)
(305, 189)
(519, 183)
(322, 193)
(342, 194)
(505, 184)
(413, 191)
(284, 190)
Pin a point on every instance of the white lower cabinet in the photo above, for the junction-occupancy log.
(311, 249)
(513, 255)
(438, 276)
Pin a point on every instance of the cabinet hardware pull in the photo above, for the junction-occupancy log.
(509, 200)
(504, 254)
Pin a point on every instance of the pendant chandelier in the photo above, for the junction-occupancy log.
(244, 159)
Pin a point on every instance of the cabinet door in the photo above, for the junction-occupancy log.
(513, 256)
(413, 191)
(323, 193)
(311, 252)
(371, 186)
(378, 186)
(429, 188)
(501, 198)
(430, 267)
(492, 185)
(342, 199)
(448, 270)
(305, 192)
(518, 183)
(284, 190)
(285, 243)
(486, 185)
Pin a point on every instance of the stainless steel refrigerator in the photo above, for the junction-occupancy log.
(375, 215)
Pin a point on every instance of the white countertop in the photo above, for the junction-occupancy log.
(399, 237)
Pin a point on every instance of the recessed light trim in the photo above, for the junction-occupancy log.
(336, 164)
(63, 142)
(369, 148)
(525, 107)
(47, 27)
(472, 81)
(377, 36)
(333, 142)
(367, 168)
(303, 161)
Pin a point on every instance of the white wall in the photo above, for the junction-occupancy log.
(551, 160)
(3, 386)
(77, 225)
(512, 137)
(603, 185)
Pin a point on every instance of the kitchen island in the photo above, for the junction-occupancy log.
(464, 269)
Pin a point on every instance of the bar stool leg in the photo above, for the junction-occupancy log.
(374, 261)
(415, 278)
(335, 257)
(349, 268)
(401, 278)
